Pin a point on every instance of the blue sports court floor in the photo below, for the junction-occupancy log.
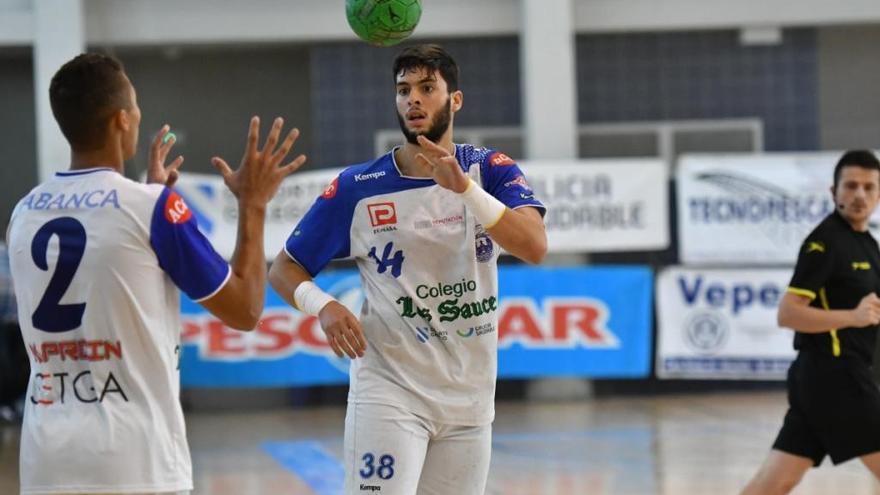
(670, 445)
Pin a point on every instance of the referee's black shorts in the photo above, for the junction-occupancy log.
(834, 409)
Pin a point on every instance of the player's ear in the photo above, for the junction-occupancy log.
(457, 100)
(119, 121)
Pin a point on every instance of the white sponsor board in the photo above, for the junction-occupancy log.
(217, 209)
(721, 324)
(602, 205)
(751, 209)
(594, 205)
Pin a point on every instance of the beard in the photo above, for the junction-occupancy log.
(439, 125)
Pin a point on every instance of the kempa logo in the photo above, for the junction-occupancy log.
(374, 175)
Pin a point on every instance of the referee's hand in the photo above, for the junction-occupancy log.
(867, 313)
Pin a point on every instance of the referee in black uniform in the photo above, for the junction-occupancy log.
(832, 304)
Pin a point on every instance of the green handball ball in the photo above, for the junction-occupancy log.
(383, 22)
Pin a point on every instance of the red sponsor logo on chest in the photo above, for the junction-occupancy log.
(382, 214)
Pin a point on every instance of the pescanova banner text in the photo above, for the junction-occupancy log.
(593, 322)
(721, 323)
(755, 209)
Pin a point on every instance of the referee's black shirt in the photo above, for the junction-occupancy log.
(837, 267)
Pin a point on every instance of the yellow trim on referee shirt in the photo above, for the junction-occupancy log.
(802, 292)
(835, 341)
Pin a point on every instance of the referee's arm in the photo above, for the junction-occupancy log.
(796, 313)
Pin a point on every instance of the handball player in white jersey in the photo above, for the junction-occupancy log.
(425, 224)
(97, 261)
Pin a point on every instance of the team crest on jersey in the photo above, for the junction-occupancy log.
(330, 192)
(483, 244)
(176, 210)
(499, 159)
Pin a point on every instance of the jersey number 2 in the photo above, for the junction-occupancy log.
(51, 315)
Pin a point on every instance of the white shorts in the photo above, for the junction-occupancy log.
(389, 451)
(187, 492)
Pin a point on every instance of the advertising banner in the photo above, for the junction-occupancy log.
(594, 205)
(216, 209)
(722, 324)
(591, 322)
(751, 209)
(603, 205)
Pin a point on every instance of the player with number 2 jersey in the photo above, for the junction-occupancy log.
(97, 260)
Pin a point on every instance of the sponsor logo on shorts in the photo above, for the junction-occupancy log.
(370, 176)
(370, 488)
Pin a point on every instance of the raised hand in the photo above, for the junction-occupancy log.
(258, 177)
(442, 165)
(157, 172)
(343, 330)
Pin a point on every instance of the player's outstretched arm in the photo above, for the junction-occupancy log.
(520, 232)
(796, 313)
(240, 302)
(295, 286)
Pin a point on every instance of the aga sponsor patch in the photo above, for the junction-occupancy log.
(176, 210)
(330, 192)
(499, 159)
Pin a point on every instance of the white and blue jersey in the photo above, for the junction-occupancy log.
(96, 261)
(430, 279)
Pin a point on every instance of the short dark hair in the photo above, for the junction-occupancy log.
(431, 57)
(84, 94)
(856, 158)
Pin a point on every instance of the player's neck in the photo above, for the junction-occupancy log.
(110, 158)
(858, 226)
(409, 165)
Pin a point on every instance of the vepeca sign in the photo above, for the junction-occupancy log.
(721, 324)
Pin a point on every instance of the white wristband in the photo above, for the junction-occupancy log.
(310, 299)
(484, 206)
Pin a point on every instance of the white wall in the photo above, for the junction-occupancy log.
(161, 22)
